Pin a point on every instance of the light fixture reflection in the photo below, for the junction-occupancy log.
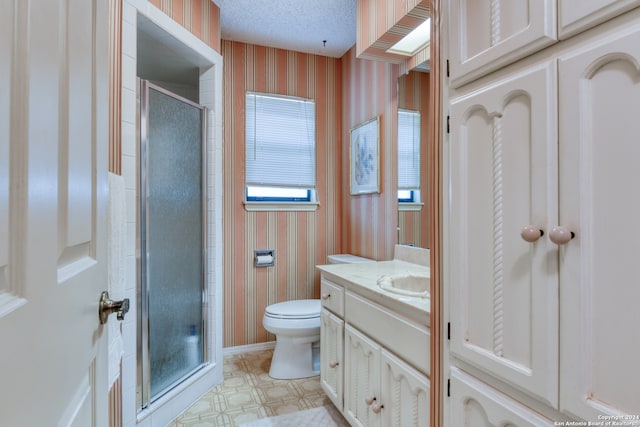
(414, 41)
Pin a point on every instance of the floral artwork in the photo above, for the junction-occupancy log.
(365, 176)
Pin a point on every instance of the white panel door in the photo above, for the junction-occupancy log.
(331, 356)
(504, 290)
(578, 15)
(53, 191)
(404, 393)
(475, 404)
(599, 153)
(361, 379)
(488, 34)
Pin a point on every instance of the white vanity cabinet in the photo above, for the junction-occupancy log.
(547, 314)
(374, 361)
(404, 392)
(488, 34)
(362, 404)
(380, 388)
(331, 356)
(332, 341)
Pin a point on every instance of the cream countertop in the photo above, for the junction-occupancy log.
(362, 278)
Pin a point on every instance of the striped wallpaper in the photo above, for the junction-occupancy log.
(370, 221)
(436, 203)
(413, 94)
(200, 17)
(301, 240)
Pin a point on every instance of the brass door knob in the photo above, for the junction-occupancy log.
(108, 306)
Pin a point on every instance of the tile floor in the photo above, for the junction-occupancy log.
(248, 393)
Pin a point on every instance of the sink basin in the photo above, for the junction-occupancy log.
(409, 284)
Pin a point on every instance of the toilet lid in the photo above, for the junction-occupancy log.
(295, 309)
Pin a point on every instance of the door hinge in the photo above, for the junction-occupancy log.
(447, 68)
(448, 124)
(448, 387)
(449, 330)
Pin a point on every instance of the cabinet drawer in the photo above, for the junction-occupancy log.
(404, 338)
(332, 296)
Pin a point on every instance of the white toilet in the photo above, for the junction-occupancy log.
(296, 325)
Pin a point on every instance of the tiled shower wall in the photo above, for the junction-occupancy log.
(301, 240)
(210, 96)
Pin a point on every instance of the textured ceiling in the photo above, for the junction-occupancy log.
(298, 25)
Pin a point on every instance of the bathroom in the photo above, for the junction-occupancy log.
(527, 271)
(300, 239)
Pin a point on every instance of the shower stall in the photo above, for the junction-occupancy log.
(171, 241)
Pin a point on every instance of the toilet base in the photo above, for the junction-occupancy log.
(293, 358)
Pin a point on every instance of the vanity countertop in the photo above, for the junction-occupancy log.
(362, 278)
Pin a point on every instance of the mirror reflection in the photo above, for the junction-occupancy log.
(412, 144)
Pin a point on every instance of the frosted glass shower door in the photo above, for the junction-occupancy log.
(172, 233)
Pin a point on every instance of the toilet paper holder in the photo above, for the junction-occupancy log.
(263, 257)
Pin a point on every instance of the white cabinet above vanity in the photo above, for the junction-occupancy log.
(374, 347)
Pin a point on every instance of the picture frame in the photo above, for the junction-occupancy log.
(364, 157)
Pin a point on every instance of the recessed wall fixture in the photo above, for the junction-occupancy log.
(416, 40)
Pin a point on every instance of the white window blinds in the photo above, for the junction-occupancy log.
(408, 150)
(280, 141)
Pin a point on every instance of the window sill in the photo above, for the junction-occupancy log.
(404, 206)
(280, 206)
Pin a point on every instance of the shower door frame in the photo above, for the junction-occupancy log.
(143, 383)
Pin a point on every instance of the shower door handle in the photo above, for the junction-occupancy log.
(108, 306)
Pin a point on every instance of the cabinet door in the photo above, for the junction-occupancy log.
(488, 34)
(474, 403)
(578, 15)
(504, 295)
(331, 356)
(404, 394)
(600, 202)
(362, 377)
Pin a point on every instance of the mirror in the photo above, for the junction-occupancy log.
(413, 165)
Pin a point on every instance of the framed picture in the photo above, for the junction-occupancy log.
(364, 153)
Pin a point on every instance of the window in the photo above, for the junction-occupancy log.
(280, 149)
(408, 156)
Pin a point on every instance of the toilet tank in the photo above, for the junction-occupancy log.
(347, 259)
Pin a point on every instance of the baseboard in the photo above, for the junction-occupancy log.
(248, 348)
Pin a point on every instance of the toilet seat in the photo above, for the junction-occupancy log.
(295, 309)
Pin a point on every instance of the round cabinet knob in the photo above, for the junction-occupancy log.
(369, 400)
(377, 408)
(325, 296)
(333, 364)
(531, 233)
(561, 235)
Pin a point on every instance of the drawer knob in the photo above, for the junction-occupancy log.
(377, 408)
(325, 296)
(531, 233)
(369, 400)
(561, 235)
(333, 364)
